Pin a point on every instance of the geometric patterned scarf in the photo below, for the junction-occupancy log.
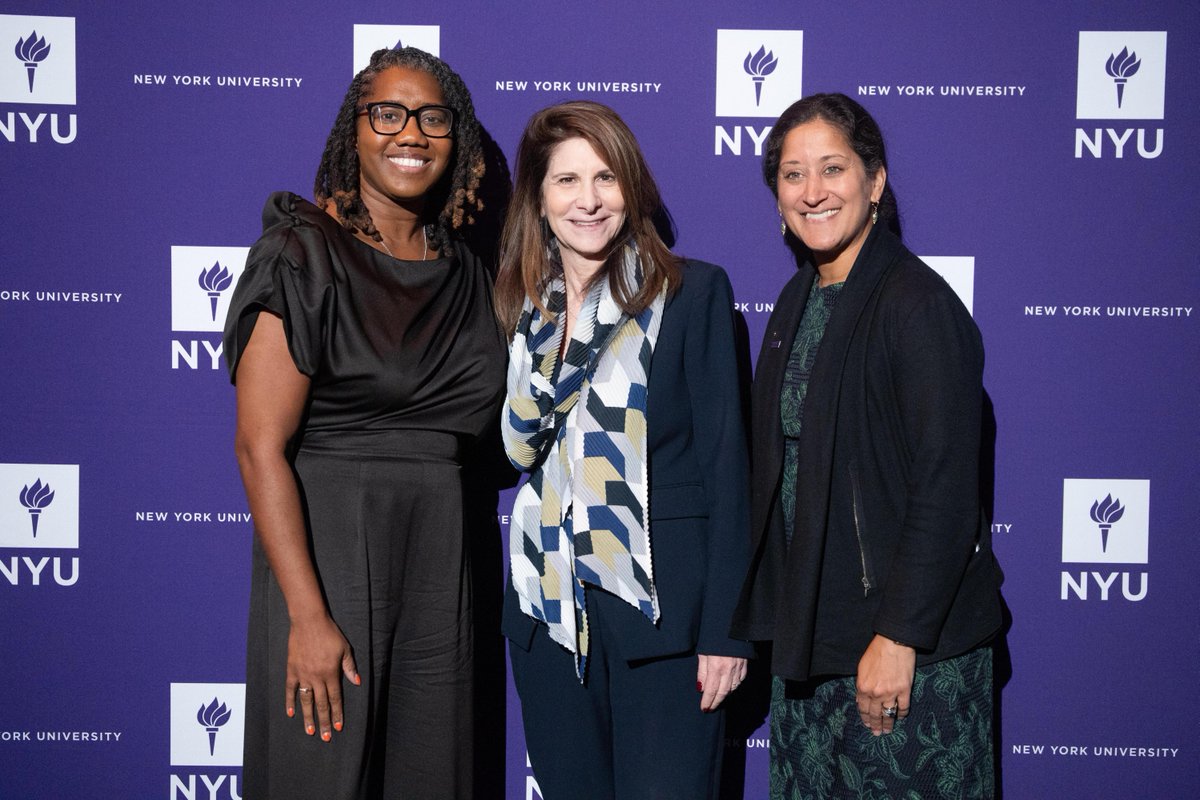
(578, 425)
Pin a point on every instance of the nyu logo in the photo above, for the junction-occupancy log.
(35, 499)
(759, 74)
(758, 66)
(32, 51)
(369, 38)
(39, 505)
(1105, 522)
(211, 717)
(37, 60)
(1121, 67)
(207, 723)
(215, 280)
(37, 67)
(202, 279)
(39, 510)
(1122, 76)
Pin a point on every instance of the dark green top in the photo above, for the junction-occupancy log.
(817, 310)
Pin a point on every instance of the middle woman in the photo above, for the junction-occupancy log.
(629, 539)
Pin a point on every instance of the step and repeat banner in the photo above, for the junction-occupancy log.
(1044, 160)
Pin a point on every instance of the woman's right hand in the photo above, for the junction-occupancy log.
(318, 656)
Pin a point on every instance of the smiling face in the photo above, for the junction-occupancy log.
(825, 195)
(403, 167)
(583, 205)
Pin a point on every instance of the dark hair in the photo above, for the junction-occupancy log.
(526, 261)
(455, 194)
(860, 130)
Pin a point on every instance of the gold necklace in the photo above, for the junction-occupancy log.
(424, 249)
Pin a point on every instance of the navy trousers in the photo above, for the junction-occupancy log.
(632, 731)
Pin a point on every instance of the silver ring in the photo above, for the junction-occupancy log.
(890, 712)
(304, 689)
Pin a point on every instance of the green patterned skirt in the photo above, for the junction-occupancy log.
(943, 749)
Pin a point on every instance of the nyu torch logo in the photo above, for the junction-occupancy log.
(35, 498)
(32, 51)
(758, 65)
(1121, 67)
(215, 710)
(771, 60)
(215, 280)
(1105, 568)
(1105, 513)
(211, 717)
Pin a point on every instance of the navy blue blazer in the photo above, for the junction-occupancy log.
(699, 485)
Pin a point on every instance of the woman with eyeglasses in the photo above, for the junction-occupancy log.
(367, 360)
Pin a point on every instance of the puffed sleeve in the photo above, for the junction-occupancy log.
(288, 273)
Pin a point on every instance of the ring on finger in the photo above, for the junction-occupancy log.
(890, 712)
(304, 690)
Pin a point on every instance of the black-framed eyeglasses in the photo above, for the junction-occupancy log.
(388, 119)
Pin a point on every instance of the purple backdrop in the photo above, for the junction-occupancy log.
(1044, 161)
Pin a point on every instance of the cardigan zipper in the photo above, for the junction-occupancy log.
(862, 551)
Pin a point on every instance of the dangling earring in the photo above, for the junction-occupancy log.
(782, 225)
(874, 212)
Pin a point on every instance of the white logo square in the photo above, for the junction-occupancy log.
(959, 272)
(369, 38)
(207, 724)
(202, 281)
(1122, 75)
(37, 60)
(1106, 521)
(39, 505)
(758, 72)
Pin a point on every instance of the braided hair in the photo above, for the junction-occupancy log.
(456, 193)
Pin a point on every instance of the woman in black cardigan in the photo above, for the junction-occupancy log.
(872, 572)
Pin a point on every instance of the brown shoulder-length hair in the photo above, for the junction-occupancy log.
(526, 264)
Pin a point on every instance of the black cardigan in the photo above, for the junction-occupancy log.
(890, 537)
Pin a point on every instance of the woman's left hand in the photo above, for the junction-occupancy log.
(716, 677)
(885, 678)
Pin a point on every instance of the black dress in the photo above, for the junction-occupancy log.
(407, 367)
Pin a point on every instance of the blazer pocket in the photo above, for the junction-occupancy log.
(678, 501)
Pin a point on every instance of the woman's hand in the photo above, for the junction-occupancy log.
(318, 656)
(885, 678)
(716, 677)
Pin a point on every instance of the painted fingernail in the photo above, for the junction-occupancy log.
(325, 737)
(699, 686)
(310, 729)
(357, 680)
(337, 726)
(291, 711)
